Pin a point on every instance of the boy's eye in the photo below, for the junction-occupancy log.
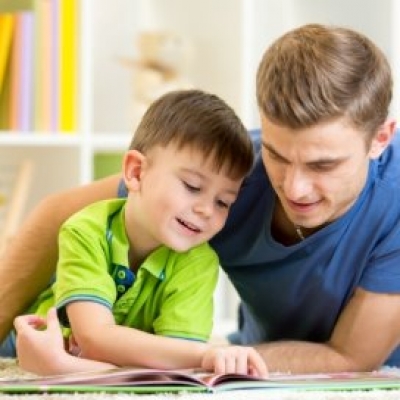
(190, 187)
(223, 204)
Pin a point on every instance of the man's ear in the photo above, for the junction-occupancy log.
(382, 138)
(132, 168)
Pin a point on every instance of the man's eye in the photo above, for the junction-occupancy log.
(324, 167)
(190, 187)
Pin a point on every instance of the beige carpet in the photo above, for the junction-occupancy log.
(9, 369)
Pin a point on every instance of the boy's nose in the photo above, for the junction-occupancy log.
(204, 208)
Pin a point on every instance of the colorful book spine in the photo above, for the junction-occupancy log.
(43, 66)
(6, 34)
(42, 48)
(12, 6)
(5, 96)
(21, 101)
(54, 65)
(16, 74)
(26, 98)
(68, 65)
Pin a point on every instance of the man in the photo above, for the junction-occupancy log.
(313, 242)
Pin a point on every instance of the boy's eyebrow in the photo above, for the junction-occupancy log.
(325, 160)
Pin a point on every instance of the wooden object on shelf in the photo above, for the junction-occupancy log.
(15, 182)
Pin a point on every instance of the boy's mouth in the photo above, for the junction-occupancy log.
(189, 226)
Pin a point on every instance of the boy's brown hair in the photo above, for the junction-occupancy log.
(202, 121)
(316, 73)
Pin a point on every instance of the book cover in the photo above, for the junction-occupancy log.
(131, 380)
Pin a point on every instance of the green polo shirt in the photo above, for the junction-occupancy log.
(172, 293)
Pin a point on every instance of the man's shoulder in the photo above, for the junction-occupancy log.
(388, 165)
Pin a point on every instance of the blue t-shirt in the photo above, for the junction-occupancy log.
(298, 292)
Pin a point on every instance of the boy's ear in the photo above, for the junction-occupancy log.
(132, 168)
(382, 138)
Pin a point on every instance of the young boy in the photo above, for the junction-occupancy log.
(135, 276)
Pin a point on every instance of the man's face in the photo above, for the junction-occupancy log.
(317, 172)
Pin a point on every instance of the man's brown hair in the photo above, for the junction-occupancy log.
(316, 73)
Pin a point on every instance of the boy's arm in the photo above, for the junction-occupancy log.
(31, 256)
(47, 345)
(99, 338)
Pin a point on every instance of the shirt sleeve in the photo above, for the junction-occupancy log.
(82, 271)
(383, 273)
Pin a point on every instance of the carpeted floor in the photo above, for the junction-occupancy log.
(9, 369)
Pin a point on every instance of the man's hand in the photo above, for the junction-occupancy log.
(234, 359)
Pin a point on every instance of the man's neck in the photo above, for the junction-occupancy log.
(285, 231)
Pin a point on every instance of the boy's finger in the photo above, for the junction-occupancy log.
(52, 319)
(256, 361)
(31, 320)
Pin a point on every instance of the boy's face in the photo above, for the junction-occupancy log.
(180, 201)
(318, 172)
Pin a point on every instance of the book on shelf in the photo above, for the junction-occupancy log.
(5, 89)
(39, 49)
(68, 23)
(6, 33)
(10, 6)
(21, 99)
(132, 380)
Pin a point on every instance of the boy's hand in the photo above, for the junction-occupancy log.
(39, 343)
(234, 359)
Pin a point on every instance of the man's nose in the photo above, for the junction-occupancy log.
(296, 184)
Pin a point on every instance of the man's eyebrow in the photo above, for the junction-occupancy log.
(325, 160)
(274, 152)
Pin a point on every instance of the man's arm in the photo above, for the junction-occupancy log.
(366, 333)
(31, 256)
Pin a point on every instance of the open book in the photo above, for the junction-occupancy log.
(131, 380)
